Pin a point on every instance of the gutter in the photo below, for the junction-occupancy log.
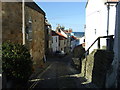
(86, 3)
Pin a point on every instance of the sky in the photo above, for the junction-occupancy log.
(67, 14)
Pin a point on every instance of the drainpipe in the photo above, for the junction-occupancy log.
(108, 8)
(108, 40)
(23, 20)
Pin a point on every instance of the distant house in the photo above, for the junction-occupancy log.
(100, 21)
(82, 40)
(63, 39)
(61, 30)
(62, 42)
(59, 42)
(48, 38)
(74, 43)
(31, 32)
(68, 33)
(55, 41)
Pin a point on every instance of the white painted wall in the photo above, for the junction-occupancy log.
(96, 22)
(55, 45)
(61, 47)
(82, 40)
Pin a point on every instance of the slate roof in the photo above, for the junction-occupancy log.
(34, 6)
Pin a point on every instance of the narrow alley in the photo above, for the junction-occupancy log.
(60, 44)
(59, 74)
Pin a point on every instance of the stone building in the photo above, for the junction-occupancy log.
(30, 32)
(48, 38)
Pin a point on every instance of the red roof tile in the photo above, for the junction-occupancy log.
(60, 34)
(113, 0)
(74, 37)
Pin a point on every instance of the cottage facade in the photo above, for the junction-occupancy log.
(73, 42)
(100, 21)
(55, 41)
(62, 43)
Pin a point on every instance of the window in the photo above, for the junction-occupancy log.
(28, 29)
(52, 39)
(29, 32)
(95, 31)
(56, 39)
(59, 30)
(59, 44)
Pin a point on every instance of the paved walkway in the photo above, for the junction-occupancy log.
(58, 74)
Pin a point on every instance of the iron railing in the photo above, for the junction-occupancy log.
(109, 43)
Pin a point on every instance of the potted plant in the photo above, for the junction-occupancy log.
(16, 62)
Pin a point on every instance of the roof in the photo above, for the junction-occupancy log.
(68, 31)
(54, 33)
(34, 6)
(86, 3)
(61, 35)
(112, 1)
(58, 34)
(73, 37)
(47, 23)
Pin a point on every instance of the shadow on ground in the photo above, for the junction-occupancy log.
(61, 82)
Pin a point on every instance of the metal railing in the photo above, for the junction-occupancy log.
(109, 47)
(109, 43)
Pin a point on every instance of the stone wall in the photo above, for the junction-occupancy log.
(48, 39)
(12, 22)
(102, 64)
(88, 66)
(12, 27)
(96, 66)
(37, 45)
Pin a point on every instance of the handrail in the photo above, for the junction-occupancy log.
(109, 36)
(87, 51)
